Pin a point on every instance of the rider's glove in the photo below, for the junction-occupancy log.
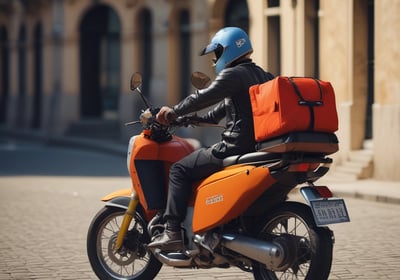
(166, 115)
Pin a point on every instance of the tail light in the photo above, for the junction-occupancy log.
(324, 191)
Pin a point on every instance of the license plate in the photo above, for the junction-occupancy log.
(329, 211)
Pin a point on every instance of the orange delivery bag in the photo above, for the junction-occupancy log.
(292, 104)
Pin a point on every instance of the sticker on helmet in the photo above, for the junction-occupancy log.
(239, 43)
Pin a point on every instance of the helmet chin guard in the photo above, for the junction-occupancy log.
(228, 44)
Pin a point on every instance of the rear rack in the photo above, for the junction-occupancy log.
(301, 167)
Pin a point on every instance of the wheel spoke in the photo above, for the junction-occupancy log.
(122, 262)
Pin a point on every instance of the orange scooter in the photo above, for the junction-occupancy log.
(238, 217)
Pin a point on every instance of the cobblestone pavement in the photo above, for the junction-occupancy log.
(44, 220)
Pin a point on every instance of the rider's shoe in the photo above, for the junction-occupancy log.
(167, 241)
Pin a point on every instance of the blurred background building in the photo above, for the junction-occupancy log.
(65, 65)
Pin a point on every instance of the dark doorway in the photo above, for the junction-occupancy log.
(4, 68)
(37, 74)
(21, 102)
(100, 63)
(145, 43)
(184, 47)
(370, 101)
(237, 14)
(274, 38)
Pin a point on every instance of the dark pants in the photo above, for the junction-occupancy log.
(194, 167)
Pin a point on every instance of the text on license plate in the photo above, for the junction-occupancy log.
(329, 211)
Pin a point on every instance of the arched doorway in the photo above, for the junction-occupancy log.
(4, 64)
(100, 63)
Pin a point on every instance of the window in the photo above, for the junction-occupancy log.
(273, 3)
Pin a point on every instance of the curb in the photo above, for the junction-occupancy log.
(368, 197)
(366, 189)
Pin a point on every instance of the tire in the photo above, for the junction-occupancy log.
(310, 247)
(132, 261)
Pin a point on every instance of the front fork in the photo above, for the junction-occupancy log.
(130, 212)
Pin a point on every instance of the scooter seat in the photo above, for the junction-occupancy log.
(253, 158)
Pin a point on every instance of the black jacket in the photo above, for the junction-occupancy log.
(230, 90)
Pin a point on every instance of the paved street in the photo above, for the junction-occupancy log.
(48, 195)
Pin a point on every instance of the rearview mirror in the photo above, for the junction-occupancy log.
(200, 80)
(136, 81)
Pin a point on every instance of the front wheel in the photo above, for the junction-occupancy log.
(132, 261)
(308, 248)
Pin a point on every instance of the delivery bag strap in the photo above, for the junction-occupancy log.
(304, 102)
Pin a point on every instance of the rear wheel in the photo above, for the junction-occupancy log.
(132, 261)
(309, 248)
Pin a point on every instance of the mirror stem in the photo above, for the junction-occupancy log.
(148, 105)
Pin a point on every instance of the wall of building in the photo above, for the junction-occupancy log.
(342, 55)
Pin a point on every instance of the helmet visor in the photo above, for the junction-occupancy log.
(218, 49)
(210, 48)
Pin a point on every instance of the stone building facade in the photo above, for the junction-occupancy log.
(65, 65)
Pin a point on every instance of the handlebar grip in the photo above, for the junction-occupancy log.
(171, 116)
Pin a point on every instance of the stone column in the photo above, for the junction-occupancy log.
(336, 63)
(258, 31)
(386, 110)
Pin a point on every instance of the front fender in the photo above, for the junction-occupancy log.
(118, 198)
(119, 202)
(124, 192)
(121, 199)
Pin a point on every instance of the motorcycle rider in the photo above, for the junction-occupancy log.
(235, 74)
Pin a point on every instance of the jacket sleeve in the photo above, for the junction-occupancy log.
(215, 115)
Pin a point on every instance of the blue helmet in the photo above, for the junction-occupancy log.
(228, 44)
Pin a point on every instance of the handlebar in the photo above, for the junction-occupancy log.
(161, 133)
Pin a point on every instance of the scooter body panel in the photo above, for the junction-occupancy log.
(226, 194)
(149, 163)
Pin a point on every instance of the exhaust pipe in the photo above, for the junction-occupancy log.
(269, 253)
